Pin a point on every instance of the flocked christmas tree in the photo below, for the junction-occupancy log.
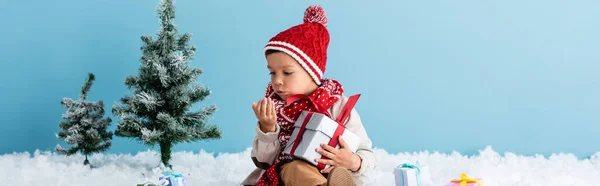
(159, 111)
(84, 125)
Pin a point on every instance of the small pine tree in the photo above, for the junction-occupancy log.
(83, 125)
(158, 111)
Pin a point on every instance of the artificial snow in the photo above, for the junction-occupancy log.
(49, 169)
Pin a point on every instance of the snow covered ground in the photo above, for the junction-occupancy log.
(49, 169)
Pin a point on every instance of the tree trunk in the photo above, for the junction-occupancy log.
(165, 153)
(86, 162)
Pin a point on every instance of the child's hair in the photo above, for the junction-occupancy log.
(270, 51)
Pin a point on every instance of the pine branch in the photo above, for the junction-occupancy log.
(67, 102)
(87, 86)
(197, 118)
(104, 123)
(198, 93)
(151, 136)
(162, 74)
(183, 41)
(206, 132)
(194, 74)
(146, 101)
(130, 126)
(121, 110)
(131, 82)
(67, 152)
(65, 124)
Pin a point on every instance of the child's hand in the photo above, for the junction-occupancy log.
(266, 115)
(342, 157)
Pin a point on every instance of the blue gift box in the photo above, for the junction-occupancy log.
(408, 174)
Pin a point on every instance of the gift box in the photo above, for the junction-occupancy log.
(175, 179)
(160, 182)
(151, 184)
(465, 181)
(409, 174)
(314, 128)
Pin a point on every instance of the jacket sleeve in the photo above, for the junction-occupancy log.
(365, 152)
(265, 147)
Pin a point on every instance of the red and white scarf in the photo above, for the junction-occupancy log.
(321, 99)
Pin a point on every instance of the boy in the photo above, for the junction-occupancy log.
(296, 59)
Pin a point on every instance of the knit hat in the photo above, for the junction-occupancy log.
(307, 42)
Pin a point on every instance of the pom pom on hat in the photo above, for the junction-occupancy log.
(315, 14)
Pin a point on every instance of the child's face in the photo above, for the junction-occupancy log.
(288, 77)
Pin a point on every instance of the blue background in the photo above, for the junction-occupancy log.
(521, 76)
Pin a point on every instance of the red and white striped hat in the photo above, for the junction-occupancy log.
(307, 42)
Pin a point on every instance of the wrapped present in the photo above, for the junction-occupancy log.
(408, 174)
(161, 182)
(148, 183)
(174, 179)
(465, 181)
(314, 128)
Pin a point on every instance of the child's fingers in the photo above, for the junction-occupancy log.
(343, 143)
(254, 105)
(263, 107)
(329, 148)
(258, 108)
(327, 170)
(268, 108)
(325, 153)
(326, 161)
(271, 109)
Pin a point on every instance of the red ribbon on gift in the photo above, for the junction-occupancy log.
(344, 114)
(294, 98)
(301, 132)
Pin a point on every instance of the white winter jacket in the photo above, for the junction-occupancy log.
(265, 147)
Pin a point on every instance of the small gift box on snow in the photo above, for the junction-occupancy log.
(149, 183)
(161, 182)
(465, 181)
(174, 179)
(314, 128)
(411, 174)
